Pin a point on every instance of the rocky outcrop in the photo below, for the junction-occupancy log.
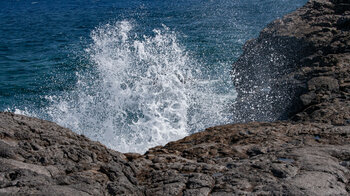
(41, 158)
(282, 158)
(256, 159)
(297, 69)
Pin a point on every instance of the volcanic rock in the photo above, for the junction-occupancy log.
(298, 67)
(41, 158)
(282, 158)
(296, 70)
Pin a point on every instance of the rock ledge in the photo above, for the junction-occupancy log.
(304, 78)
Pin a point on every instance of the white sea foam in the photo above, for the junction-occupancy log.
(141, 91)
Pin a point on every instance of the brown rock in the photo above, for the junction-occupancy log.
(41, 158)
(304, 76)
(301, 60)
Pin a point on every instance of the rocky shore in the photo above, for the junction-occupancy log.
(298, 67)
(297, 70)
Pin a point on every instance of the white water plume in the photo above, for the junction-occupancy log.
(141, 91)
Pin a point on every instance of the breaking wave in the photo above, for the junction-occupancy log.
(140, 91)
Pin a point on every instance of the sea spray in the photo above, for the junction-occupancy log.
(140, 91)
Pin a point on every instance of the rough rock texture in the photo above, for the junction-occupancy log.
(42, 158)
(282, 158)
(255, 159)
(299, 66)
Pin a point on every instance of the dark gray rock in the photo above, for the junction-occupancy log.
(297, 62)
(303, 75)
(42, 158)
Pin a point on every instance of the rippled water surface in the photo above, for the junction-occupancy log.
(131, 74)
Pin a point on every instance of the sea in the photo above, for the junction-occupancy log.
(131, 74)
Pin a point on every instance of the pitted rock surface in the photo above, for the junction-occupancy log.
(283, 158)
(298, 68)
(41, 158)
(303, 76)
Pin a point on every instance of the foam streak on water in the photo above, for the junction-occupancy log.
(141, 91)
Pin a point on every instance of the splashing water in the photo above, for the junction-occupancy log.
(140, 91)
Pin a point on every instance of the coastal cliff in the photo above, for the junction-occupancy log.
(297, 70)
(298, 67)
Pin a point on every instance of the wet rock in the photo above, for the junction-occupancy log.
(303, 60)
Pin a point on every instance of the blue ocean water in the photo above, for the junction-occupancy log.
(131, 74)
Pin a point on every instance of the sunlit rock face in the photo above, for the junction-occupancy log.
(306, 155)
(284, 158)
